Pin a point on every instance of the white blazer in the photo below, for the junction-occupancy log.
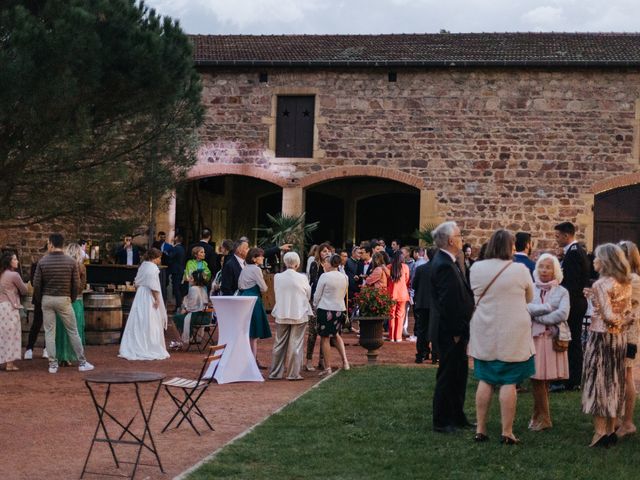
(292, 291)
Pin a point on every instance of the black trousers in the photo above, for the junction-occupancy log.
(176, 286)
(35, 326)
(421, 330)
(576, 316)
(451, 383)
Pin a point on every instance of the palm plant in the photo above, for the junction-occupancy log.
(286, 229)
(425, 235)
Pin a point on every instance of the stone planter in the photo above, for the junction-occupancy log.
(371, 335)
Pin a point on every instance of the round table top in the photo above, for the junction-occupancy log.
(124, 377)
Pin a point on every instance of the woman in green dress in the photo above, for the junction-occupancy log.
(64, 349)
(197, 263)
(251, 284)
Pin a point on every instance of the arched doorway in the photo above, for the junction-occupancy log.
(617, 215)
(231, 205)
(361, 208)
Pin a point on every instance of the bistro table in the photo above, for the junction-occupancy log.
(109, 379)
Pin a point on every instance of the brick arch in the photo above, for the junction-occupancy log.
(362, 171)
(203, 170)
(615, 182)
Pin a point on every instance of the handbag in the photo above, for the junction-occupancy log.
(560, 345)
(491, 283)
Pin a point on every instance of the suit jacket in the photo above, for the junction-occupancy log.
(121, 256)
(292, 292)
(421, 284)
(451, 299)
(230, 275)
(575, 269)
(526, 261)
(177, 260)
(351, 269)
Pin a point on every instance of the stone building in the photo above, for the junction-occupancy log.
(379, 135)
(371, 133)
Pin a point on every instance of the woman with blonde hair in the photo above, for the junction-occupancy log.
(627, 427)
(64, 349)
(603, 373)
(549, 312)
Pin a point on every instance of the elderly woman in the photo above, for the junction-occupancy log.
(251, 284)
(549, 312)
(501, 343)
(11, 287)
(64, 348)
(291, 312)
(331, 310)
(603, 371)
(627, 427)
(197, 263)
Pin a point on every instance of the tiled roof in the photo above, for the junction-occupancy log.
(445, 49)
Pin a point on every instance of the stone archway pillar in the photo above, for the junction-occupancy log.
(292, 201)
(166, 215)
(428, 209)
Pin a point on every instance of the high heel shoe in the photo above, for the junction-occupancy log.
(509, 440)
(603, 441)
(480, 437)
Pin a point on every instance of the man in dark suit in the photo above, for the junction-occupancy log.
(451, 310)
(165, 247)
(523, 250)
(127, 254)
(232, 268)
(176, 268)
(575, 270)
(353, 269)
(422, 307)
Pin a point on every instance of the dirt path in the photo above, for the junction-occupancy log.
(47, 421)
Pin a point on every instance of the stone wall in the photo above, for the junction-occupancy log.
(510, 148)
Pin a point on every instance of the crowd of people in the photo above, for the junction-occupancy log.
(517, 317)
(521, 319)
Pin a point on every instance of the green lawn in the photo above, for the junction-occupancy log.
(375, 423)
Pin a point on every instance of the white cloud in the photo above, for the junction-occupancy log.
(245, 13)
(544, 18)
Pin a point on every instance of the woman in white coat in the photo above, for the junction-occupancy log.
(291, 312)
(143, 337)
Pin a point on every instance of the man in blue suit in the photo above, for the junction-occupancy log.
(523, 250)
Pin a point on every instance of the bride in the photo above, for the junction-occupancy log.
(143, 337)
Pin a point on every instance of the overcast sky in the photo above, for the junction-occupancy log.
(400, 16)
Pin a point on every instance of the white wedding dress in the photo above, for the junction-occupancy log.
(143, 337)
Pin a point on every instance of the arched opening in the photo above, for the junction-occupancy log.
(231, 205)
(617, 215)
(360, 208)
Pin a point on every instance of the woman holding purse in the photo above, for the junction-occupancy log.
(549, 311)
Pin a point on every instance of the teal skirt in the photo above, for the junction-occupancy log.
(64, 349)
(259, 322)
(496, 372)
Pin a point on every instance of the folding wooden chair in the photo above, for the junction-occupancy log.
(206, 321)
(192, 390)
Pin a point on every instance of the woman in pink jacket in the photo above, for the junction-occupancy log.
(399, 291)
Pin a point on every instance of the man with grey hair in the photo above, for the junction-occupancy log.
(451, 309)
(291, 312)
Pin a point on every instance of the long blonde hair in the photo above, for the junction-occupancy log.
(613, 262)
(630, 249)
(74, 251)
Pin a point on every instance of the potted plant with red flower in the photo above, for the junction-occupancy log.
(371, 308)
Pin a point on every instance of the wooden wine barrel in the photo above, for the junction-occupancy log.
(102, 318)
(269, 297)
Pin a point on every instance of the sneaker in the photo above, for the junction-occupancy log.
(45, 354)
(413, 338)
(53, 367)
(85, 367)
(28, 355)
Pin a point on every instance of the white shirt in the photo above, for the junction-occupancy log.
(240, 261)
(251, 276)
(331, 291)
(130, 256)
(566, 249)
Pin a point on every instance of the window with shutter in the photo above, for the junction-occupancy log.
(294, 126)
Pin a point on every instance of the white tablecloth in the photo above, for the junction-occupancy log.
(234, 317)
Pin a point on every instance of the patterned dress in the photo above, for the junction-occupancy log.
(11, 287)
(603, 372)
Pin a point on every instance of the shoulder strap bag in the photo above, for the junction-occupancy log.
(491, 283)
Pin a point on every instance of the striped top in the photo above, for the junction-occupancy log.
(56, 275)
